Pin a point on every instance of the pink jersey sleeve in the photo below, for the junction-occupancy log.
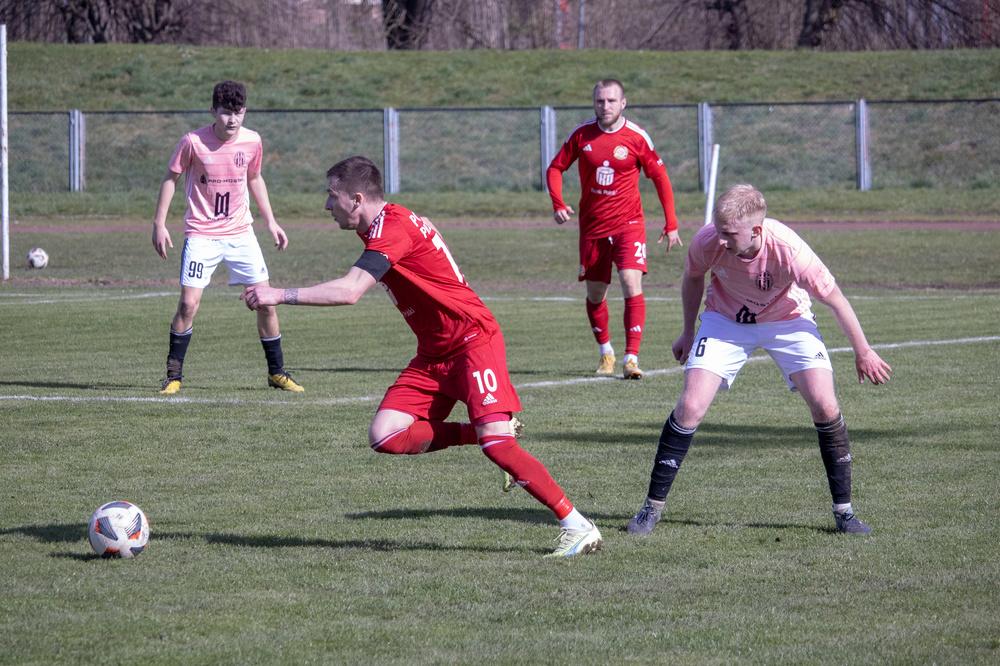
(698, 259)
(180, 161)
(810, 272)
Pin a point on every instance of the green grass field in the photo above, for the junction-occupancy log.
(279, 537)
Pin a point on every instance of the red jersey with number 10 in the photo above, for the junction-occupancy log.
(609, 177)
(426, 285)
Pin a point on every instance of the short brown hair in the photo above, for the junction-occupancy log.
(739, 202)
(358, 174)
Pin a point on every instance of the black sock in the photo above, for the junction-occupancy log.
(674, 443)
(272, 351)
(176, 353)
(835, 447)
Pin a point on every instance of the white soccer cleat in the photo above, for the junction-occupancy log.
(577, 542)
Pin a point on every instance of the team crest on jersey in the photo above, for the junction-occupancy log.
(605, 175)
(620, 152)
(240, 159)
(764, 281)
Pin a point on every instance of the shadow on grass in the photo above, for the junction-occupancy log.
(647, 434)
(533, 516)
(73, 532)
(348, 369)
(74, 385)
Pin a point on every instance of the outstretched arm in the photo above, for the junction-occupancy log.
(867, 362)
(346, 290)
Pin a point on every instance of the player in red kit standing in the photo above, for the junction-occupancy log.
(611, 150)
(460, 349)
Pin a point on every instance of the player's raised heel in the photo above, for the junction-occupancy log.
(606, 366)
(630, 370)
(284, 381)
(170, 386)
(848, 523)
(577, 542)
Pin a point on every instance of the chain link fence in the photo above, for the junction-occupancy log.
(775, 146)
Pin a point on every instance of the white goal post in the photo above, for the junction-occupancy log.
(4, 199)
(713, 172)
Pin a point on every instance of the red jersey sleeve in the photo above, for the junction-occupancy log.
(394, 246)
(656, 171)
(560, 163)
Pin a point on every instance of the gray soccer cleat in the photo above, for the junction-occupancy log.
(848, 523)
(642, 523)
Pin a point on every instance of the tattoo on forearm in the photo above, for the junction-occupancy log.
(291, 296)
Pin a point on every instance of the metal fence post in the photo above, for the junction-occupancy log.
(390, 150)
(705, 141)
(547, 141)
(864, 168)
(74, 150)
(77, 151)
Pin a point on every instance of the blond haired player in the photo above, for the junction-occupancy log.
(611, 151)
(763, 277)
(222, 162)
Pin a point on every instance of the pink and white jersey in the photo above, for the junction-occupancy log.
(216, 180)
(773, 286)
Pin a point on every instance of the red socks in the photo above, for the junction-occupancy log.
(426, 437)
(635, 320)
(597, 314)
(530, 474)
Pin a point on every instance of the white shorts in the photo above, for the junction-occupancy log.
(241, 254)
(722, 346)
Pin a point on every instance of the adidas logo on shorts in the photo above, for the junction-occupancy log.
(489, 400)
(819, 355)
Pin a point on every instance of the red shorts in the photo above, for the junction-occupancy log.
(627, 249)
(478, 377)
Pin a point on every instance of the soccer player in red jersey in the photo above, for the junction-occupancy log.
(460, 349)
(611, 150)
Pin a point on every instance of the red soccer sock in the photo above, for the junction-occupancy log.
(427, 437)
(635, 321)
(529, 473)
(597, 314)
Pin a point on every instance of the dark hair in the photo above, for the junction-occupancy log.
(229, 95)
(358, 174)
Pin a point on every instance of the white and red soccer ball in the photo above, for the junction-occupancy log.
(118, 529)
(37, 258)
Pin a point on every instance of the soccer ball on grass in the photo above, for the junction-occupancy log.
(118, 529)
(37, 258)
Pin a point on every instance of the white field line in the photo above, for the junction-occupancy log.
(31, 299)
(372, 398)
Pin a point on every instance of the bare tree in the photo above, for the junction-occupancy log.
(406, 22)
(514, 24)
